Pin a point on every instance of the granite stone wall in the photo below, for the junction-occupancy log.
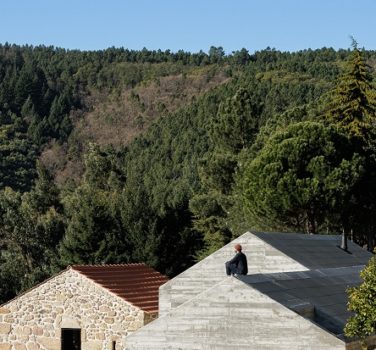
(34, 320)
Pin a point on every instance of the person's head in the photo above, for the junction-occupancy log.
(238, 248)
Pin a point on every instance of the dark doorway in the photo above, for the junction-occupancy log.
(70, 339)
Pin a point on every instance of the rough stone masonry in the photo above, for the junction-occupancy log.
(34, 320)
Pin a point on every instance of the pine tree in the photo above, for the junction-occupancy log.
(31, 226)
(302, 176)
(235, 126)
(232, 130)
(92, 234)
(353, 103)
(18, 155)
(352, 111)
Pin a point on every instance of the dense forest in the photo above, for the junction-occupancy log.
(120, 156)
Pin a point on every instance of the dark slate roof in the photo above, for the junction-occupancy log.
(322, 290)
(138, 284)
(316, 251)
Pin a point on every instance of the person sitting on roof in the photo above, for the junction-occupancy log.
(238, 264)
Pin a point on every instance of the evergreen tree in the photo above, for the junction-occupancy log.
(31, 83)
(352, 110)
(31, 226)
(59, 123)
(45, 193)
(241, 57)
(94, 233)
(232, 130)
(303, 175)
(216, 54)
(18, 156)
(362, 301)
(352, 107)
(236, 124)
(132, 205)
(28, 110)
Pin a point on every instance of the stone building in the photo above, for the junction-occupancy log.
(293, 298)
(83, 307)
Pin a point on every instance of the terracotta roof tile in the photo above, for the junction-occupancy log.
(138, 284)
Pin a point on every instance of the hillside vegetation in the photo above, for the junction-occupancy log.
(158, 157)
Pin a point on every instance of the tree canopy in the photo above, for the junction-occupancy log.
(362, 301)
(303, 177)
(152, 156)
(352, 106)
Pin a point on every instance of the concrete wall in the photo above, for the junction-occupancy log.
(262, 258)
(232, 315)
(70, 300)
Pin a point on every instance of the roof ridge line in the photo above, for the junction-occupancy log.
(106, 265)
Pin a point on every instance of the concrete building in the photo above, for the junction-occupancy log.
(83, 307)
(293, 298)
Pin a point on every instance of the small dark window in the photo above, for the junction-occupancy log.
(113, 345)
(70, 339)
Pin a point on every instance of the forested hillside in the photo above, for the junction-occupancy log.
(158, 157)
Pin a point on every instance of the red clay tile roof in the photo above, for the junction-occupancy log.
(138, 284)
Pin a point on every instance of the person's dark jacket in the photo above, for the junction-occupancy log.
(240, 261)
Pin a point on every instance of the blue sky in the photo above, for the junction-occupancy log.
(191, 25)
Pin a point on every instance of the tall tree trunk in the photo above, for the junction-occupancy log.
(344, 239)
(311, 223)
(370, 240)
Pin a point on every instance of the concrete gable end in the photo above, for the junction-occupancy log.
(69, 300)
(277, 306)
(262, 258)
(232, 315)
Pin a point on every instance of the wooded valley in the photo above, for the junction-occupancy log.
(121, 156)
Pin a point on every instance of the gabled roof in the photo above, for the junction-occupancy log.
(323, 290)
(316, 251)
(294, 297)
(137, 284)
